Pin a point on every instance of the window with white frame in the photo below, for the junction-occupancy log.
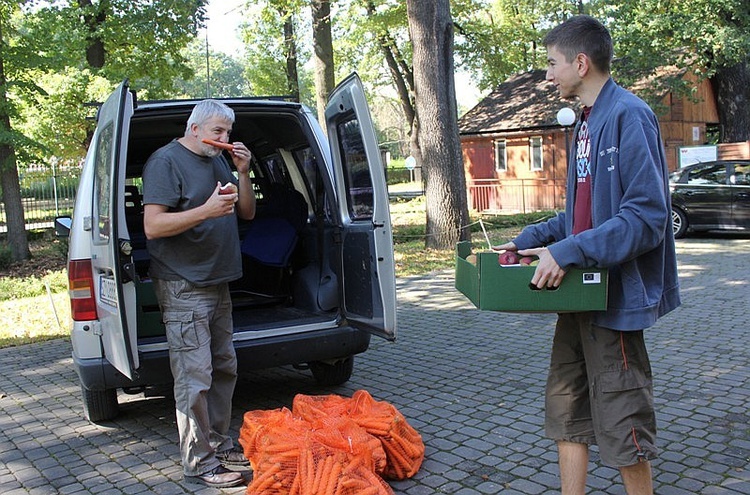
(501, 158)
(535, 151)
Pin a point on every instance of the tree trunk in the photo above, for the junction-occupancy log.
(290, 48)
(732, 88)
(323, 50)
(11, 187)
(436, 129)
(93, 17)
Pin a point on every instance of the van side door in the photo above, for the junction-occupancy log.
(369, 279)
(108, 220)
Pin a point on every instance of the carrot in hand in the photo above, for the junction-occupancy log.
(219, 144)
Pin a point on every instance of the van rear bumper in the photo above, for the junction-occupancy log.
(98, 374)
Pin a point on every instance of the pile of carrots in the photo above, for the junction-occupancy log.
(330, 445)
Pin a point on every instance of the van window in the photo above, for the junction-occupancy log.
(102, 183)
(356, 169)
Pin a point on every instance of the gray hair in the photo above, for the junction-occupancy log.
(208, 109)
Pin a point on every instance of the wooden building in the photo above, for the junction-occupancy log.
(514, 149)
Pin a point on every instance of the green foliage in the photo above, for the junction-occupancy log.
(702, 35)
(265, 65)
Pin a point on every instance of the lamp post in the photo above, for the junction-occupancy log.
(565, 117)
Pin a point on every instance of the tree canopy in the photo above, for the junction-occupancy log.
(57, 56)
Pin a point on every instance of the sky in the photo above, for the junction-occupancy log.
(222, 29)
(222, 25)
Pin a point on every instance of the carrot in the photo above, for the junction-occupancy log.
(408, 447)
(321, 474)
(219, 144)
(333, 478)
(267, 479)
(370, 490)
(295, 488)
(396, 462)
(306, 471)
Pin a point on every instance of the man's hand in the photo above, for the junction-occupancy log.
(218, 204)
(241, 157)
(548, 273)
(508, 246)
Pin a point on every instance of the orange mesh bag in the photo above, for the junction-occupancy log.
(339, 458)
(315, 407)
(403, 445)
(271, 441)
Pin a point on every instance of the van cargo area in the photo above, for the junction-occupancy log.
(280, 284)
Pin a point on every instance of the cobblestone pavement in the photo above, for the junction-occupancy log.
(471, 382)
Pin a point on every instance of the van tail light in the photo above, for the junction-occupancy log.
(81, 290)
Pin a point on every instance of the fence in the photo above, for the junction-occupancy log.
(44, 195)
(516, 195)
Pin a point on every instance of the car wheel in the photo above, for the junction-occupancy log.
(336, 373)
(100, 405)
(679, 223)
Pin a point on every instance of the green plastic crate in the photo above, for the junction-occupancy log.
(494, 287)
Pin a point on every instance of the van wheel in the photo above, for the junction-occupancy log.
(99, 405)
(333, 373)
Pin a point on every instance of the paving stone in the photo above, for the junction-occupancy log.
(471, 382)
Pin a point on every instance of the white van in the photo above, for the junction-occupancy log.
(318, 271)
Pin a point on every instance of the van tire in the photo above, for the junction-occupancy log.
(100, 405)
(332, 373)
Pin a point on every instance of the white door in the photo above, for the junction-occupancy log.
(369, 279)
(112, 289)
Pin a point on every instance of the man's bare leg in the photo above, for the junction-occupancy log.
(637, 479)
(573, 459)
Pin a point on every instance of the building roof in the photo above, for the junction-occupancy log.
(523, 101)
(527, 101)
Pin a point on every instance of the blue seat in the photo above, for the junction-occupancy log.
(270, 241)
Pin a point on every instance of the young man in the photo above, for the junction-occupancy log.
(195, 251)
(617, 216)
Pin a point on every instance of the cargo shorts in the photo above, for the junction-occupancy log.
(600, 391)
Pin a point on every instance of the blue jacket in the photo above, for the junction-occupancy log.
(631, 214)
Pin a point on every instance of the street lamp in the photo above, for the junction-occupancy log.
(566, 116)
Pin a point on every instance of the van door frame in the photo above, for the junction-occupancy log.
(119, 340)
(367, 261)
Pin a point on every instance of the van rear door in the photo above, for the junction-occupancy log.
(369, 279)
(108, 220)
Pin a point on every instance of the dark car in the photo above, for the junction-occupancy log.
(711, 196)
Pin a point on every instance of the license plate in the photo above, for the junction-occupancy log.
(108, 290)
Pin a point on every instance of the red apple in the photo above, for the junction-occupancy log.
(526, 260)
(508, 258)
(228, 188)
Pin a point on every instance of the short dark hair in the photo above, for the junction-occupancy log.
(582, 34)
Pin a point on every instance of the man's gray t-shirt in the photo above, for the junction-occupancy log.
(209, 253)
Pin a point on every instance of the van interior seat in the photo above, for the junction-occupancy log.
(269, 241)
(272, 236)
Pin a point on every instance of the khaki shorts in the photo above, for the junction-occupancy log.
(599, 391)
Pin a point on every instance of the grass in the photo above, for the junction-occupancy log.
(412, 258)
(36, 308)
